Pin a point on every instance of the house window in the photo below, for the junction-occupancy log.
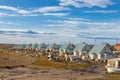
(102, 55)
(105, 50)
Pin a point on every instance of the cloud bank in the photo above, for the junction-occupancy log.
(86, 3)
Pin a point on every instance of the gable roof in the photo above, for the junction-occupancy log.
(80, 46)
(42, 45)
(117, 44)
(98, 48)
(51, 46)
(65, 46)
(34, 45)
(20, 46)
(68, 46)
(28, 46)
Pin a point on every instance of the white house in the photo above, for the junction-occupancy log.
(54, 48)
(21, 46)
(67, 49)
(34, 47)
(101, 52)
(82, 50)
(28, 47)
(113, 65)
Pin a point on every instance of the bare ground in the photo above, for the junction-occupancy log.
(16, 72)
(25, 73)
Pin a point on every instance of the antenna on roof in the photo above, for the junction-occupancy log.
(69, 42)
(95, 40)
(103, 40)
(117, 40)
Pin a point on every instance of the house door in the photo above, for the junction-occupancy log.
(116, 64)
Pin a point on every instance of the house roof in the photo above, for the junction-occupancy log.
(98, 48)
(34, 45)
(19, 45)
(80, 46)
(117, 44)
(28, 45)
(50, 46)
(65, 46)
(68, 46)
(41, 45)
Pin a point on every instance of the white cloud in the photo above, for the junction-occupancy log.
(14, 14)
(78, 19)
(102, 11)
(77, 23)
(17, 10)
(8, 8)
(55, 14)
(4, 22)
(30, 15)
(65, 31)
(86, 29)
(50, 9)
(34, 12)
(86, 3)
(3, 14)
(23, 12)
(69, 2)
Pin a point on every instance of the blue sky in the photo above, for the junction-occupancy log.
(30, 21)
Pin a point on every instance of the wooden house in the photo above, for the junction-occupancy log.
(67, 49)
(101, 52)
(28, 47)
(21, 46)
(82, 50)
(34, 47)
(16, 47)
(42, 48)
(52, 48)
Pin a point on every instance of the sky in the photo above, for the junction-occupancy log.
(36, 21)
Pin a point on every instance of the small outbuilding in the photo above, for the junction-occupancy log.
(113, 65)
(73, 58)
